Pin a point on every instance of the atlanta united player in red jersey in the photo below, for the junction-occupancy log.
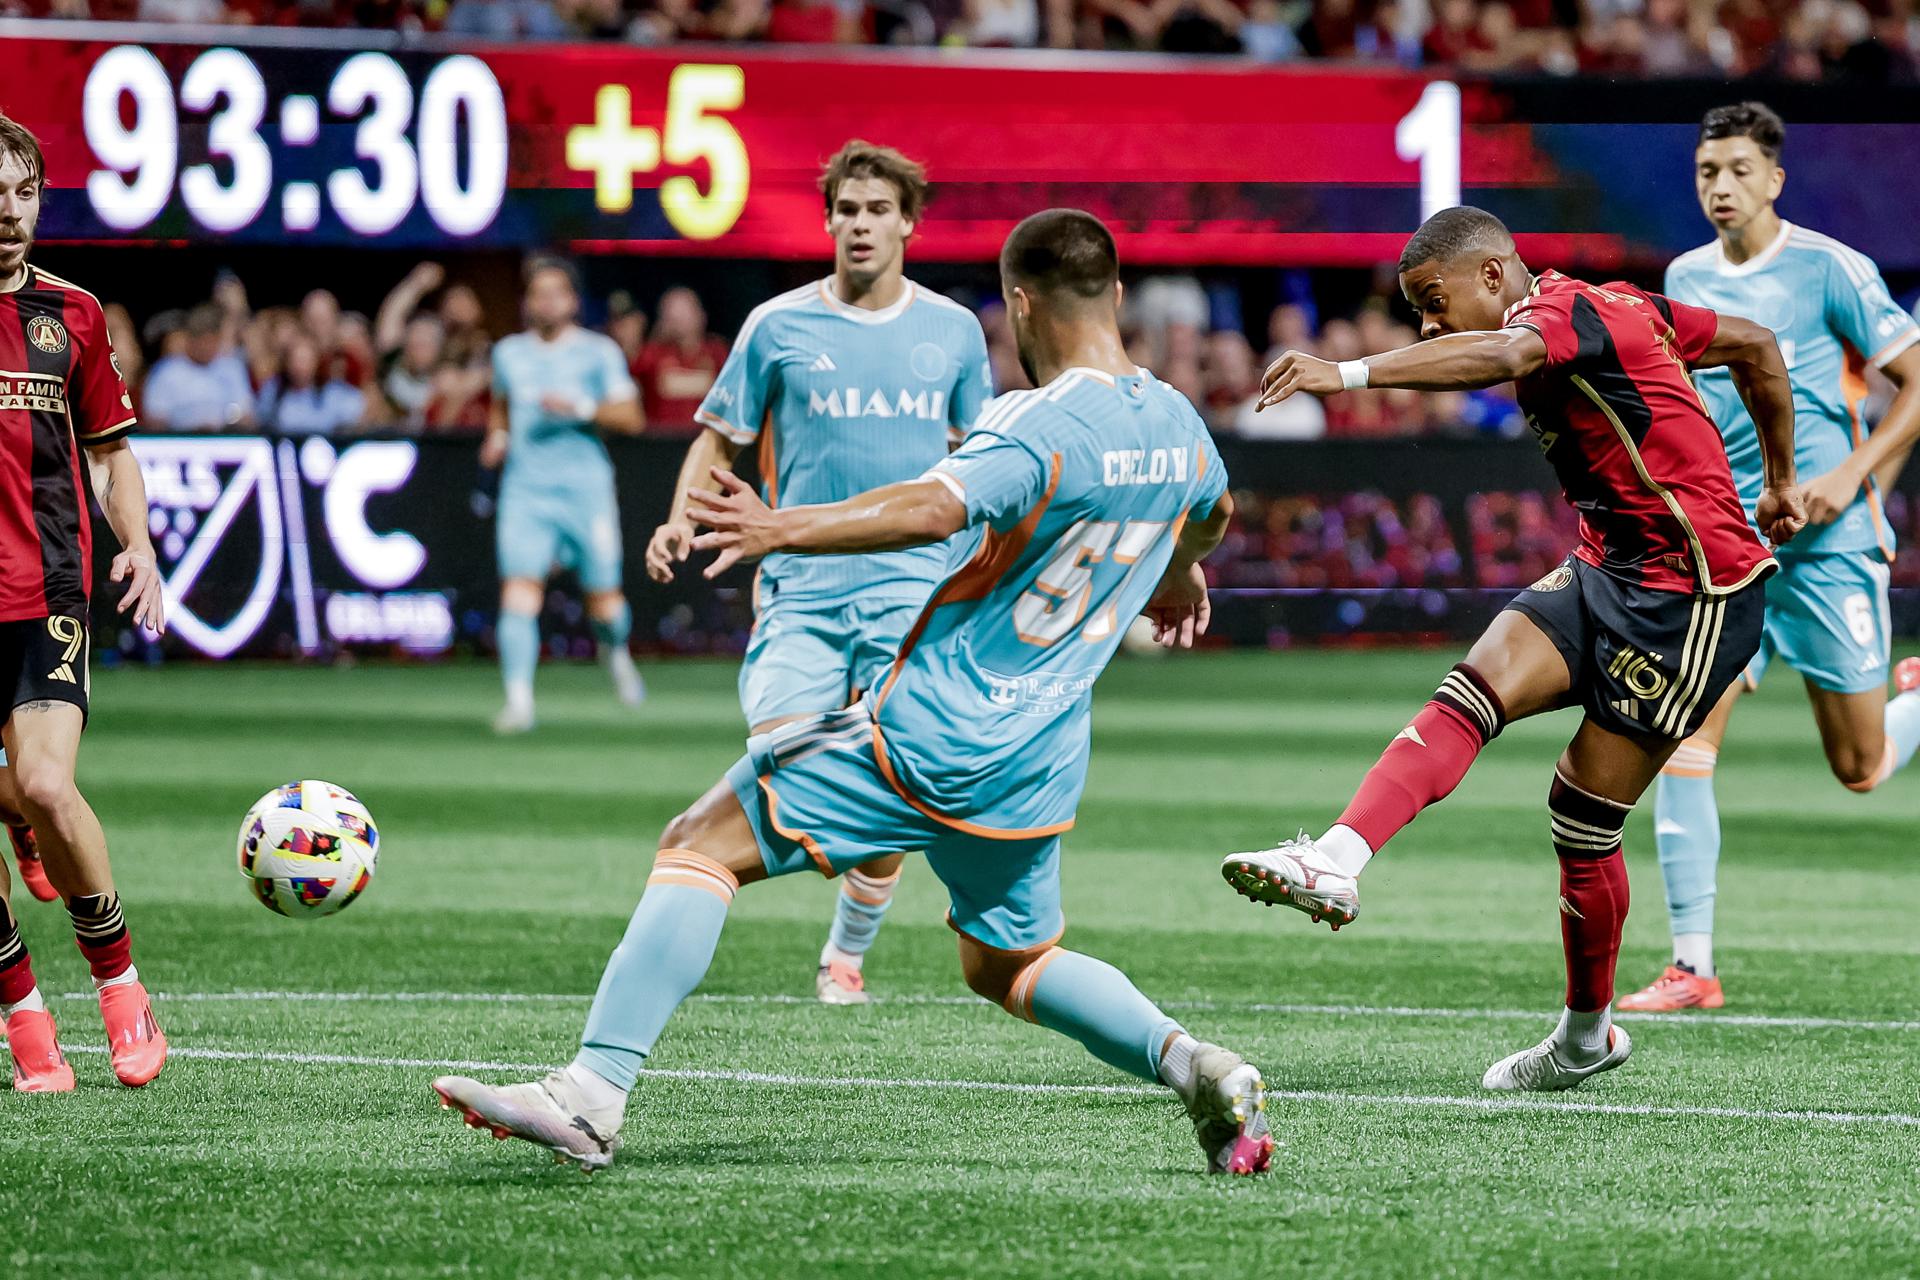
(62, 402)
(1653, 615)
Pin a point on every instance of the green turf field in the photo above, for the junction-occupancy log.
(293, 1134)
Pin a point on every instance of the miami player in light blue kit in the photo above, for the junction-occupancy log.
(556, 387)
(844, 384)
(1827, 607)
(1078, 505)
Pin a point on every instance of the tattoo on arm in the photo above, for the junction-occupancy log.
(41, 704)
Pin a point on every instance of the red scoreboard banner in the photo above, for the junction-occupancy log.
(696, 150)
(287, 137)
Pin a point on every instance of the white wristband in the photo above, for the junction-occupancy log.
(587, 408)
(1353, 374)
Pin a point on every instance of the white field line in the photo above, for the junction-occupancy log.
(1204, 1006)
(1892, 1119)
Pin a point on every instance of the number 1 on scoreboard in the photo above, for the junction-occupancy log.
(1430, 134)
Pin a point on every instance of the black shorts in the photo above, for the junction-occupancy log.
(45, 660)
(1645, 661)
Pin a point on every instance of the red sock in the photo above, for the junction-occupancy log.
(16, 967)
(1428, 758)
(1593, 890)
(101, 932)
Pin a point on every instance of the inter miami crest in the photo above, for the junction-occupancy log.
(47, 334)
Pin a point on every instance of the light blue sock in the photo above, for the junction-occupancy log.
(518, 637)
(1903, 727)
(863, 904)
(1686, 825)
(1095, 1003)
(666, 951)
(612, 633)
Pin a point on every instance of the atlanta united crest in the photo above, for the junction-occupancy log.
(47, 334)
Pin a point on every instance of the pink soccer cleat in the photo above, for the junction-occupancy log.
(1227, 1102)
(38, 1064)
(26, 856)
(133, 1035)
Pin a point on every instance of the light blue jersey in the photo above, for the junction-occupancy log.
(1075, 494)
(557, 453)
(557, 504)
(842, 400)
(1833, 316)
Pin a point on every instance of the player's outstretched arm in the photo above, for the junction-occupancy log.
(1749, 352)
(673, 540)
(115, 474)
(1456, 362)
(912, 513)
(1179, 609)
(1882, 454)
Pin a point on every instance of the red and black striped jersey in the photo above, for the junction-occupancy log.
(60, 389)
(1635, 450)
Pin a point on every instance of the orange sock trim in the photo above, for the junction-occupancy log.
(1692, 760)
(872, 891)
(1881, 772)
(1019, 1001)
(692, 870)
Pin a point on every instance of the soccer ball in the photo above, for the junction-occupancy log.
(308, 849)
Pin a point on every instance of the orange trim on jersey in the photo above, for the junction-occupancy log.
(958, 824)
(769, 463)
(976, 579)
(690, 869)
(1019, 1000)
(1015, 952)
(1853, 394)
(800, 838)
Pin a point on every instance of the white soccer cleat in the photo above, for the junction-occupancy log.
(632, 690)
(1542, 1070)
(1295, 873)
(840, 983)
(547, 1113)
(513, 719)
(1228, 1107)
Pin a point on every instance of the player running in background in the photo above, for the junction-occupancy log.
(1827, 612)
(64, 417)
(26, 852)
(555, 388)
(1648, 621)
(845, 384)
(1084, 501)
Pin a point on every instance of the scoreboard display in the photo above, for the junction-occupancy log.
(298, 137)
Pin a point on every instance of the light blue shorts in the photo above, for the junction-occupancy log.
(816, 797)
(805, 657)
(1827, 619)
(538, 531)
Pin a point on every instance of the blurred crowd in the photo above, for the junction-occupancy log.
(1872, 41)
(420, 364)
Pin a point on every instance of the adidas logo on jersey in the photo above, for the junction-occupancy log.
(851, 402)
(824, 364)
